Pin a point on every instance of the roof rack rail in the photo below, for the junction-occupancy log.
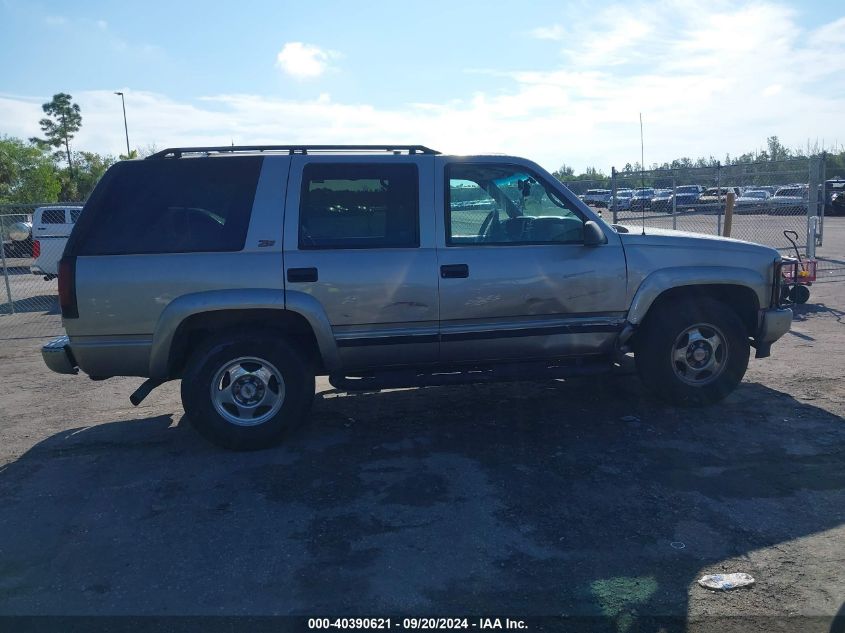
(177, 152)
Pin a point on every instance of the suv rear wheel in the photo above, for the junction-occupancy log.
(246, 391)
(692, 352)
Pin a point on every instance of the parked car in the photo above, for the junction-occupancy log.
(662, 201)
(246, 271)
(837, 204)
(623, 199)
(767, 188)
(687, 196)
(834, 197)
(641, 200)
(791, 200)
(597, 197)
(714, 197)
(752, 201)
(51, 227)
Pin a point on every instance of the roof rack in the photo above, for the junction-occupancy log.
(177, 152)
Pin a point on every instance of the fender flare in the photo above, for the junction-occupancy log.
(241, 299)
(667, 278)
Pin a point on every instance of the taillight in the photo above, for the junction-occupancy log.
(36, 249)
(67, 287)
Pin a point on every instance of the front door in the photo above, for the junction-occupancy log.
(359, 237)
(516, 279)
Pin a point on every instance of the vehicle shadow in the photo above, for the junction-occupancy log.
(17, 270)
(577, 498)
(48, 304)
(806, 311)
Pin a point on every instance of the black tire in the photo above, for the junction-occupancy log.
(214, 355)
(799, 294)
(660, 338)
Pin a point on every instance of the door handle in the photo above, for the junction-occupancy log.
(302, 275)
(454, 271)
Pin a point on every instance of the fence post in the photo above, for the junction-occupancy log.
(613, 193)
(6, 271)
(822, 172)
(813, 205)
(719, 192)
(729, 212)
(674, 204)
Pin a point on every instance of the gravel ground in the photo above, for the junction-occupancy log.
(577, 497)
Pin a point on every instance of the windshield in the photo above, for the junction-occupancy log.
(687, 189)
(793, 191)
(755, 194)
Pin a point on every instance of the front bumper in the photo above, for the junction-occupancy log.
(774, 323)
(58, 357)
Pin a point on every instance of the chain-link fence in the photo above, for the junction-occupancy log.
(768, 199)
(29, 306)
(767, 203)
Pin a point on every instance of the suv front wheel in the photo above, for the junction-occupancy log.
(246, 391)
(692, 352)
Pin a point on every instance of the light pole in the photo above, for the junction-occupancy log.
(125, 127)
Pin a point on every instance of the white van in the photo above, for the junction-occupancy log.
(51, 226)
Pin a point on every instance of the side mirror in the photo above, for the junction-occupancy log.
(593, 235)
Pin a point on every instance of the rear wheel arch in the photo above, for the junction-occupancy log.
(196, 329)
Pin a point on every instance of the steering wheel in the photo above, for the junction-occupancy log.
(485, 226)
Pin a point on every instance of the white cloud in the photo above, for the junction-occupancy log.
(303, 61)
(553, 32)
(720, 80)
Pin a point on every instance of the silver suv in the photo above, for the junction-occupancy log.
(247, 271)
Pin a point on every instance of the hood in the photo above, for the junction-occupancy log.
(633, 235)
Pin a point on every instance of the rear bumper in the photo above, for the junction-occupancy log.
(58, 356)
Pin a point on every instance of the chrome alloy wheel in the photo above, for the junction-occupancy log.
(248, 391)
(700, 354)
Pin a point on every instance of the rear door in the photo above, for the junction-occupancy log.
(359, 237)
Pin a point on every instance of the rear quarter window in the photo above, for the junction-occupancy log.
(183, 205)
(53, 216)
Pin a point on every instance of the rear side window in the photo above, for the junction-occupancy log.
(53, 216)
(185, 205)
(359, 206)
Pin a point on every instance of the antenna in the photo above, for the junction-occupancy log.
(642, 169)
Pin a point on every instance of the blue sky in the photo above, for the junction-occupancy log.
(560, 82)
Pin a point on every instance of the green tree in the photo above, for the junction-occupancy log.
(63, 120)
(90, 167)
(776, 150)
(27, 174)
(564, 173)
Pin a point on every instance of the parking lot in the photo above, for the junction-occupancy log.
(580, 497)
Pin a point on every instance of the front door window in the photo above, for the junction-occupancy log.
(496, 204)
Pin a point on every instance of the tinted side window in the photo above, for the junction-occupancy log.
(359, 206)
(53, 216)
(169, 206)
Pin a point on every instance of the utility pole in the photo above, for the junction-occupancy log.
(125, 126)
